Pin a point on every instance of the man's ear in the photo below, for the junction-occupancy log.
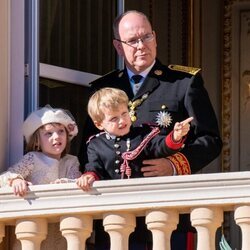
(155, 38)
(118, 47)
(98, 125)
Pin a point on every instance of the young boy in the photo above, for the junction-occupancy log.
(119, 150)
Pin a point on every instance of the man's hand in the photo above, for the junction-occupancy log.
(157, 167)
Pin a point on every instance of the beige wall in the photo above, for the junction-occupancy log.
(4, 79)
(17, 80)
(11, 81)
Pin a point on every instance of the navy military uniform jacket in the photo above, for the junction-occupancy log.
(182, 94)
(105, 152)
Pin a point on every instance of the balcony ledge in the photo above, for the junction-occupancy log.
(179, 192)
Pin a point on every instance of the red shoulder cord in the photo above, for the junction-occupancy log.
(131, 155)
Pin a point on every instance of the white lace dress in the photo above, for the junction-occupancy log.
(38, 168)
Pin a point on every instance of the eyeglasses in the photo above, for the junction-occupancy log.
(134, 42)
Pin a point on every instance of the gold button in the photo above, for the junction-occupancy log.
(133, 118)
(158, 72)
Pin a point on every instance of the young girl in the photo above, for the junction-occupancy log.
(118, 152)
(48, 133)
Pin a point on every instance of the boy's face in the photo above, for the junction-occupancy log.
(53, 139)
(116, 122)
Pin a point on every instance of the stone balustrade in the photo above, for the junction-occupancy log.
(118, 202)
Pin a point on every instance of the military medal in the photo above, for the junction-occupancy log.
(134, 104)
(163, 119)
(128, 144)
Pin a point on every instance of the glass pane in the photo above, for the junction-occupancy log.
(78, 34)
(170, 21)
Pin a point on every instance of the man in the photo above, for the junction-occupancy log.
(162, 95)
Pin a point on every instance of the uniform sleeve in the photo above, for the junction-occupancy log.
(162, 146)
(94, 163)
(21, 169)
(203, 142)
(172, 144)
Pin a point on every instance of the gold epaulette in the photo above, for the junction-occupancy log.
(186, 69)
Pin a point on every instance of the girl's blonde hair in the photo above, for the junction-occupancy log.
(109, 98)
(34, 142)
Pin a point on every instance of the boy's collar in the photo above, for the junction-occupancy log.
(109, 136)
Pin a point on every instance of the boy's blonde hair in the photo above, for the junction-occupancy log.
(109, 98)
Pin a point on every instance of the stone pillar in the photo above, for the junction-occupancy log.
(31, 232)
(119, 226)
(162, 223)
(76, 229)
(206, 221)
(242, 219)
(2, 231)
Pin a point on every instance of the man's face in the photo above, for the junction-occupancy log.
(137, 42)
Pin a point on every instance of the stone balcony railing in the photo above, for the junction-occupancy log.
(118, 202)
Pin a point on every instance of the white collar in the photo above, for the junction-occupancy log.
(143, 73)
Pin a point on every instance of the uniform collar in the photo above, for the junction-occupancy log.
(108, 136)
(143, 73)
(150, 82)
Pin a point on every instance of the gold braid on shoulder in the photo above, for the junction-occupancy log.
(186, 69)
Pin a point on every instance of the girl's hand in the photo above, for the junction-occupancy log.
(181, 129)
(85, 181)
(20, 186)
